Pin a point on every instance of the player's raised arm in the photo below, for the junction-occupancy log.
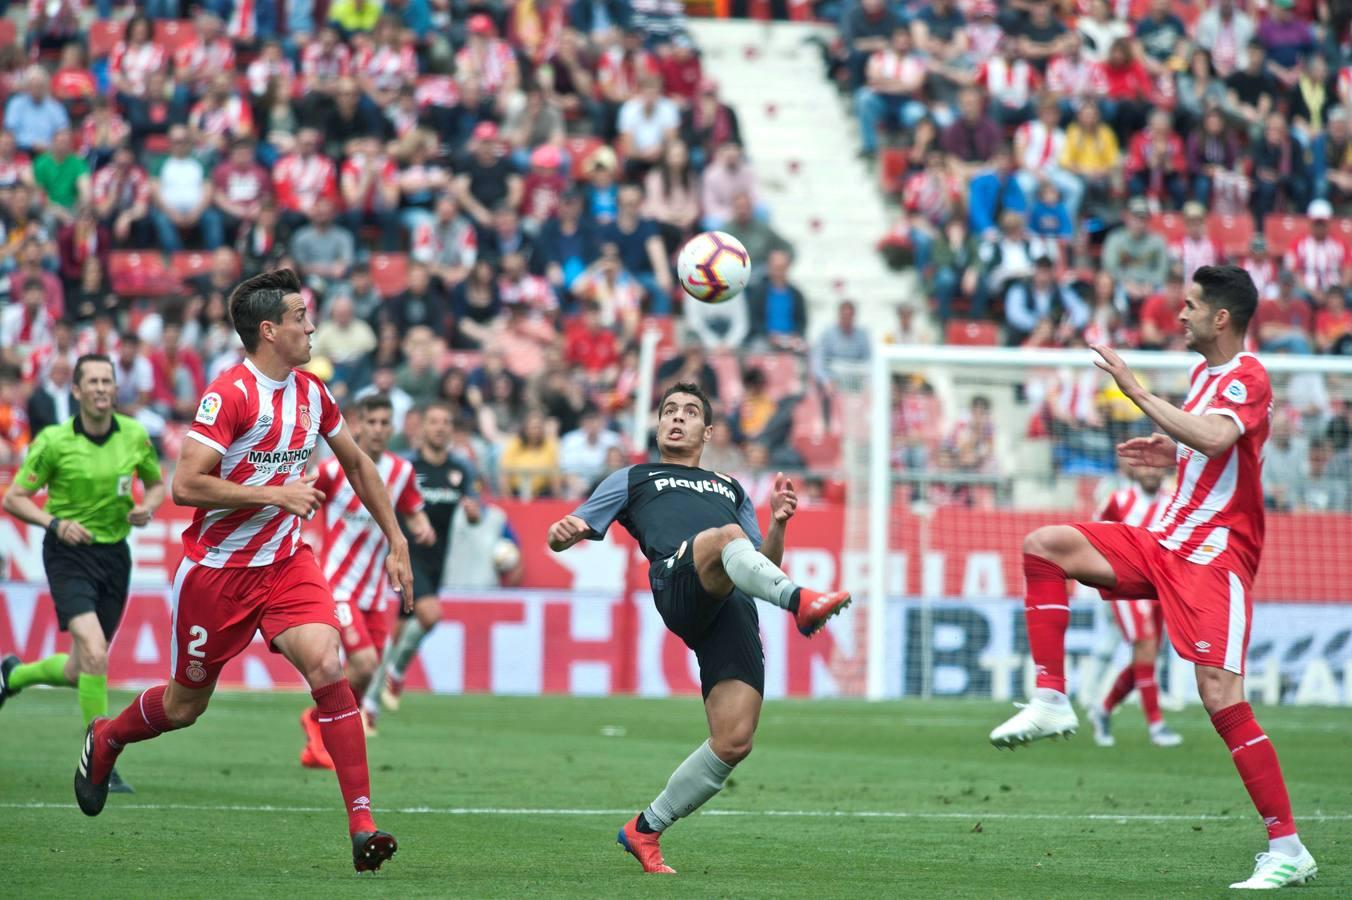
(366, 483)
(783, 504)
(591, 520)
(1210, 434)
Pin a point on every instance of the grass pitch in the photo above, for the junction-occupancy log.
(506, 797)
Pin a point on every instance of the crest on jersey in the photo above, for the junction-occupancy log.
(196, 671)
(304, 417)
(209, 409)
(456, 478)
(1236, 392)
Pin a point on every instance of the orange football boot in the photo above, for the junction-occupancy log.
(643, 847)
(314, 756)
(814, 609)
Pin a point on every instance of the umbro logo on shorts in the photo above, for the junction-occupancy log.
(1202, 646)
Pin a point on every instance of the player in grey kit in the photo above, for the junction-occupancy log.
(708, 559)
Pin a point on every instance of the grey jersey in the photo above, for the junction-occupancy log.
(664, 504)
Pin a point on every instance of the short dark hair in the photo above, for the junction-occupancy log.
(372, 402)
(92, 358)
(260, 299)
(686, 387)
(1229, 288)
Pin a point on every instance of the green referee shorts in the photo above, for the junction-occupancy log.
(88, 578)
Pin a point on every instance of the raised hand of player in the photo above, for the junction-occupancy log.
(139, 515)
(1158, 451)
(71, 532)
(566, 532)
(1113, 364)
(424, 535)
(300, 497)
(400, 572)
(783, 500)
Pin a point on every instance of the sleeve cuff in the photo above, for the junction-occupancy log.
(203, 439)
(1229, 414)
(337, 428)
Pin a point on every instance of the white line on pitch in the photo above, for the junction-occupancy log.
(748, 813)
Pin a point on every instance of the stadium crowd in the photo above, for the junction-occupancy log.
(484, 200)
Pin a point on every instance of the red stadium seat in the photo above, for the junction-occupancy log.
(821, 452)
(389, 273)
(1283, 231)
(1169, 225)
(729, 371)
(666, 327)
(972, 334)
(174, 33)
(103, 37)
(8, 32)
(140, 273)
(892, 164)
(1343, 228)
(781, 373)
(1233, 233)
(579, 148)
(187, 264)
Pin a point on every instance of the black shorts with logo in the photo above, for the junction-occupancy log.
(724, 632)
(88, 578)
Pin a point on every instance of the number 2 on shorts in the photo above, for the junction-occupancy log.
(199, 637)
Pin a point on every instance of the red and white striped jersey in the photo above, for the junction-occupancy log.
(136, 63)
(493, 66)
(265, 431)
(318, 63)
(388, 67)
(1131, 505)
(1317, 263)
(299, 181)
(234, 118)
(1216, 512)
(196, 61)
(1193, 253)
(1011, 84)
(1042, 146)
(888, 65)
(354, 546)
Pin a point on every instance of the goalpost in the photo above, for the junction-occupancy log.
(953, 453)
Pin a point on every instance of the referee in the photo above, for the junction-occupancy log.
(87, 465)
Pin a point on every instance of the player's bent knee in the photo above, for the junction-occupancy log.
(184, 713)
(733, 748)
(427, 610)
(95, 662)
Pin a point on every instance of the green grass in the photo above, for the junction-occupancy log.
(977, 823)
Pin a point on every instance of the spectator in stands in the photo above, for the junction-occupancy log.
(179, 376)
(523, 335)
(723, 180)
(1286, 39)
(63, 177)
(26, 325)
(352, 17)
(910, 329)
(92, 295)
(1041, 297)
(567, 243)
(1160, 327)
(691, 365)
(360, 289)
(1333, 324)
(543, 185)
(1279, 169)
(182, 196)
(1213, 153)
(590, 345)
(1199, 91)
(369, 184)
(1038, 149)
(1223, 32)
(1010, 81)
(33, 115)
(671, 193)
(448, 245)
(418, 376)
(973, 138)
(1330, 477)
(893, 89)
(709, 124)
(1135, 255)
(1313, 94)
(346, 342)
(488, 60)
(641, 249)
(1126, 90)
(134, 375)
(529, 464)
(1195, 248)
(134, 58)
(206, 53)
(842, 342)
(301, 178)
(1156, 166)
(646, 123)
(422, 180)
(421, 303)
(758, 417)
(1331, 157)
(969, 445)
(347, 116)
(583, 451)
(1041, 36)
(1282, 324)
(1162, 37)
(867, 28)
(82, 240)
(1261, 266)
(993, 192)
(1252, 91)
(219, 118)
(758, 237)
(1318, 258)
(323, 250)
(938, 31)
(778, 311)
(14, 430)
(51, 402)
(506, 236)
(102, 131)
(1049, 218)
(15, 167)
(1006, 259)
(1286, 465)
(240, 188)
(34, 259)
(486, 180)
(1093, 154)
(474, 305)
(721, 454)
(1100, 30)
(516, 284)
(719, 326)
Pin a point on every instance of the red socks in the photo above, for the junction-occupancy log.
(1256, 760)
(340, 724)
(1047, 610)
(141, 721)
(1126, 681)
(1150, 692)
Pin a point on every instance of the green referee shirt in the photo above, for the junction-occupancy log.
(89, 479)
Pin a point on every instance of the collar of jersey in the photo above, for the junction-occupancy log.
(267, 382)
(1227, 367)
(78, 425)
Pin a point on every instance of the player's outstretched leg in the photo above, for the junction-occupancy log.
(733, 709)
(15, 674)
(1051, 556)
(725, 559)
(1286, 861)
(388, 682)
(1100, 715)
(313, 649)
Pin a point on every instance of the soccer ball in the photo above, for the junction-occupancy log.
(506, 556)
(713, 267)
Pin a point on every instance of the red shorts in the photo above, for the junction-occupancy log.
(1207, 609)
(1139, 620)
(362, 628)
(217, 611)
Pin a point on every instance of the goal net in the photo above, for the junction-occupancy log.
(953, 454)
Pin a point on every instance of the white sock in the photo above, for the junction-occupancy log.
(407, 647)
(1286, 846)
(692, 784)
(1051, 696)
(754, 573)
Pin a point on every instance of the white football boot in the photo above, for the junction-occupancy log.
(1041, 717)
(1273, 870)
